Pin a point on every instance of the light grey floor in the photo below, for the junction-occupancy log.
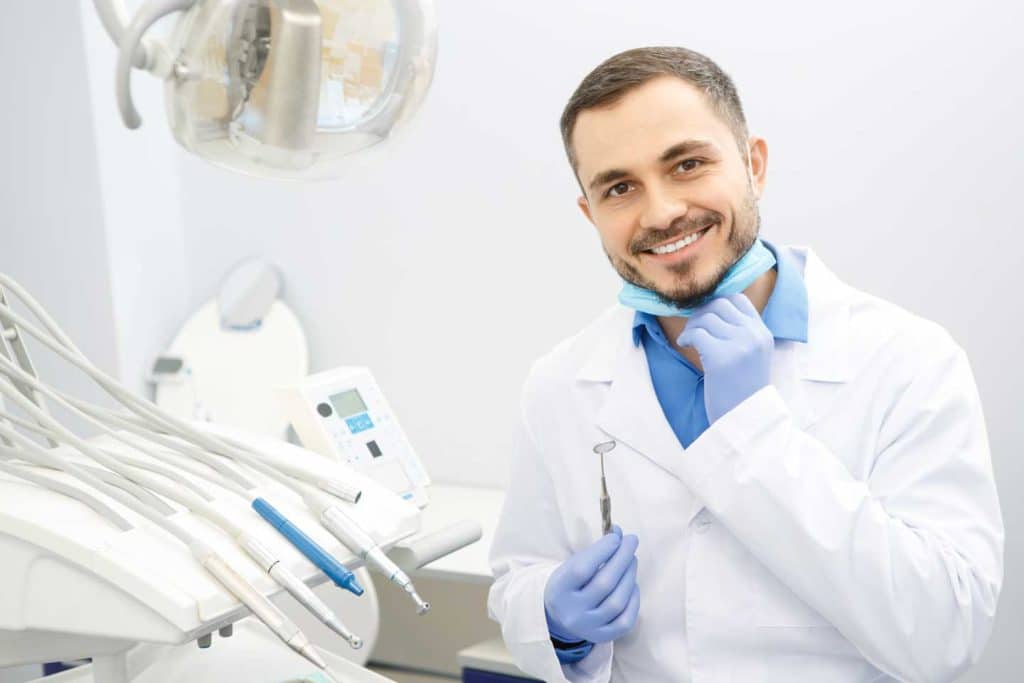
(400, 676)
(20, 674)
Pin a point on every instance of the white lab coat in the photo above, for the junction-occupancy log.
(839, 525)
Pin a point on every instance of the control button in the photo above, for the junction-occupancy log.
(359, 423)
(325, 410)
(374, 448)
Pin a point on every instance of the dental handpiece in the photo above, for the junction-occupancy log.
(360, 543)
(265, 611)
(336, 571)
(297, 588)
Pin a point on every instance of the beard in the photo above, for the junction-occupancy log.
(687, 290)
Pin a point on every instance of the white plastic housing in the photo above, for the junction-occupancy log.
(344, 415)
(72, 585)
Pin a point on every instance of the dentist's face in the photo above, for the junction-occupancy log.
(660, 168)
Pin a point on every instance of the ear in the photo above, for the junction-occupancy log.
(758, 151)
(584, 205)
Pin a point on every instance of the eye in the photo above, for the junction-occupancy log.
(617, 190)
(689, 164)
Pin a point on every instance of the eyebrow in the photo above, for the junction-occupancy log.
(678, 150)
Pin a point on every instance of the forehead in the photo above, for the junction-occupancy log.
(644, 123)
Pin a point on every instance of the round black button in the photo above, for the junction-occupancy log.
(324, 409)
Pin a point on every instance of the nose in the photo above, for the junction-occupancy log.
(660, 208)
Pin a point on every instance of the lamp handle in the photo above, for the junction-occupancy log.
(132, 46)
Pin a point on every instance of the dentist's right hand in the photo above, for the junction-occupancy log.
(593, 596)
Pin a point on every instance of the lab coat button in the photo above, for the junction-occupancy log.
(702, 522)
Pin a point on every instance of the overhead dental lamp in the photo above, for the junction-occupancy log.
(279, 88)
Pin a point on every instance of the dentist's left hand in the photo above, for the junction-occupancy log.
(735, 348)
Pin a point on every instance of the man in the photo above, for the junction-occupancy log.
(800, 481)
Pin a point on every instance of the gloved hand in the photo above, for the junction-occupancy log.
(593, 595)
(735, 348)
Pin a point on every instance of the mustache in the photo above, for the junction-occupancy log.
(683, 225)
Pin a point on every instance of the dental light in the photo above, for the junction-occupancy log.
(279, 88)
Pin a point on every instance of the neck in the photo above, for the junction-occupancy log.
(758, 293)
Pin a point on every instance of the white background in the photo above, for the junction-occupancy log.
(452, 259)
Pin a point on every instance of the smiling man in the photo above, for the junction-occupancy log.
(800, 479)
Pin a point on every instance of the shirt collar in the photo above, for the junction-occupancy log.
(785, 314)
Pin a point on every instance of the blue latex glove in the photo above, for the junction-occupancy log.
(593, 595)
(735, 348)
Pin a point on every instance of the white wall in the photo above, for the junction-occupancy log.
(52, 236)
(138, 181)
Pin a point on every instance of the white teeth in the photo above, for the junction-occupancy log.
(676, 246)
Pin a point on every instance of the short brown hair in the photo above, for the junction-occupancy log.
(618, 75)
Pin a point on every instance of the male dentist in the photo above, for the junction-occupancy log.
(801, 484)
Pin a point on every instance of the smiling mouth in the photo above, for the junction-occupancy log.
(678, 243)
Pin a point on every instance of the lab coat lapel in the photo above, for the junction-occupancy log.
(800, 370)
(631, 412)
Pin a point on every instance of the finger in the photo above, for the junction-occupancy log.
(698, 338)
(727, 310)
(623, 623)
(714, 324)
(607, 577)
(743, 304)
(582, 566)
(617, 600)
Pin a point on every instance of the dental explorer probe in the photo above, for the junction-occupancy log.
(238, 586)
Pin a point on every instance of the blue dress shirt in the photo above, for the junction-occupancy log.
(679, 385)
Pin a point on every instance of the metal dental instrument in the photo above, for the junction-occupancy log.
(606, 502)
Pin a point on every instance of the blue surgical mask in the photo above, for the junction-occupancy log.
(751, 266)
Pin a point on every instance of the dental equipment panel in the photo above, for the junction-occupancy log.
(343, 414)
(160, 531)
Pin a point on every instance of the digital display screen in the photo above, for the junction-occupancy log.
(167, 365)
(348, 403)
